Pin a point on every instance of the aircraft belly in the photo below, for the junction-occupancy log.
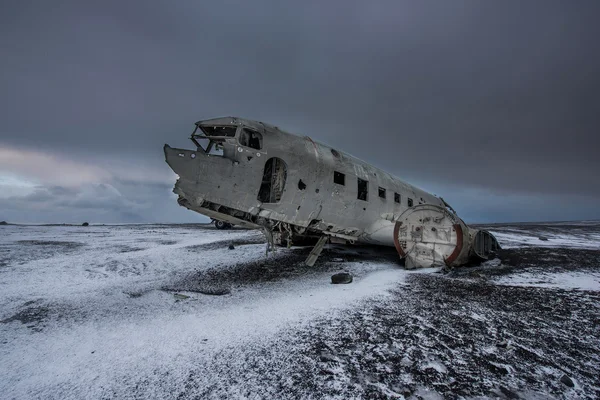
(381, 233)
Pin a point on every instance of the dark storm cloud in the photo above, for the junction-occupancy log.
(494, 98)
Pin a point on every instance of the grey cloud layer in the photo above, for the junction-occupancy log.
(496, 96)
(123, 202)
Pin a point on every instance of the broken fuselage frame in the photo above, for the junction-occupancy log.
(253, 174)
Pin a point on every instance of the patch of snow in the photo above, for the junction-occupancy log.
(426, 393)
(97, 340)
(562, 280)
(514, 238)
(435, 365)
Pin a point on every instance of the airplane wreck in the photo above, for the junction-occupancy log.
(253, 174)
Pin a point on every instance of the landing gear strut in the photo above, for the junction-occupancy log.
(316, 251)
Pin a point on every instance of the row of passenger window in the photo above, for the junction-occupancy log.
(363, 189)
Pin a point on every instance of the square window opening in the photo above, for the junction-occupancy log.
(339, 178)
(410, 202)
(251, 138)
(397, 198)
(382, 192)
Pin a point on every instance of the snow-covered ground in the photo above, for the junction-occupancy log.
(561, 280)
(581, 235)
(584, 235)
(126, 312)
(90, 310)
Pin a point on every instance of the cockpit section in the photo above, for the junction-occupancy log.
(219, 138)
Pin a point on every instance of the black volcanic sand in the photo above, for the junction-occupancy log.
(455, 334)
(463, 338)
(278, 265)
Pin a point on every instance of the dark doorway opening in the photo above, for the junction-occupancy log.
(273, 181)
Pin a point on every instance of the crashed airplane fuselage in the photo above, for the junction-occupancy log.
(254, 174)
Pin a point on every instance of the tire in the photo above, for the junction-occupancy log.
(221, 224)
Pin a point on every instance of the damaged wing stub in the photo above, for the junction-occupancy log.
(429, 235)
(298, 191)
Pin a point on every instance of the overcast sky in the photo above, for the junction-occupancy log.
(494, 105)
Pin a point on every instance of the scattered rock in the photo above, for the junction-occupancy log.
(326, 371)
(231, 247)
(180, 296)
(567, 381)
(3, 223)
(543, 238)
(213, 290)
(134, 294)
(341, 277)
(85, 224)
(493, 263)
(28, 316)
(509, 393)
(325, 356)
(497, 368)
(503, 344)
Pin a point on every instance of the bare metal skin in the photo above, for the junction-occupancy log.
(253, 174)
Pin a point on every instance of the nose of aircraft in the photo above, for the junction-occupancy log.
(182, 162)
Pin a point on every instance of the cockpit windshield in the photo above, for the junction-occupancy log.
(219, 131)
(212, 139)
